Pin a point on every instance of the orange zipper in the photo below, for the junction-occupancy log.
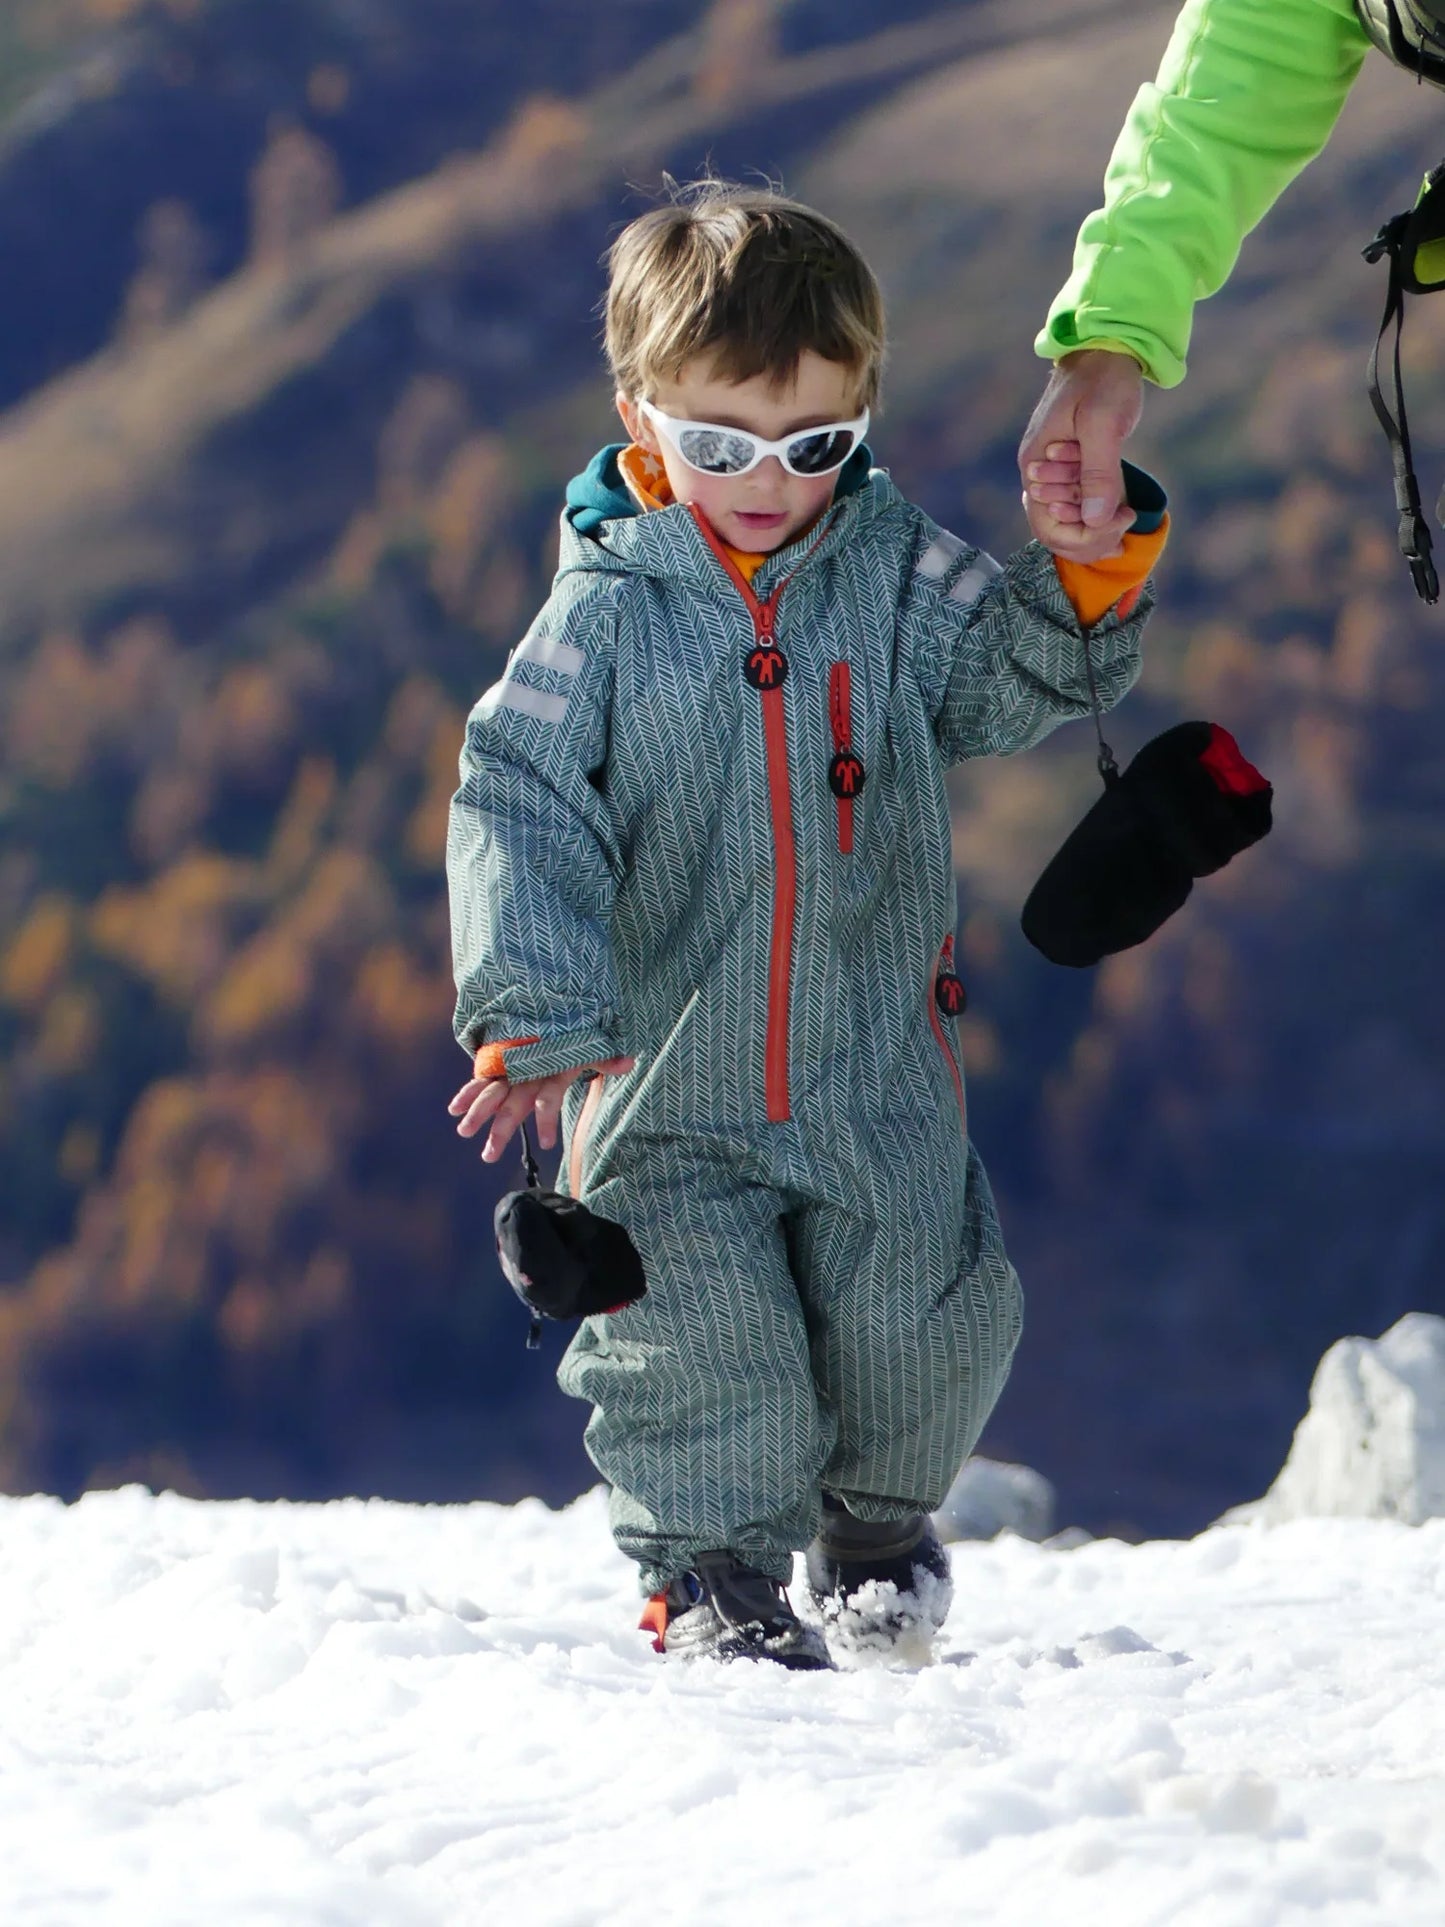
(845, 772)
(944, 967)
(780, 799)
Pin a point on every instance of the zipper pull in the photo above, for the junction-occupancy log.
(765, 666)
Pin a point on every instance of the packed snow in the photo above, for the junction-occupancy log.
(364, 1715)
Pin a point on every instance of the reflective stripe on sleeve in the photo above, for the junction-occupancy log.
(548, 653)
(974, 580)
(529, 702)
(940, 555)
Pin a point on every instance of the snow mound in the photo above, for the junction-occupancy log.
(989, 1497)
(1372, 1444)
(370, 1715)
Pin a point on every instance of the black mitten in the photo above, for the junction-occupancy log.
(1186, 804)
(562, 1260)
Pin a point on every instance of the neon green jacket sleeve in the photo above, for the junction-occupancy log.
(1247, 95)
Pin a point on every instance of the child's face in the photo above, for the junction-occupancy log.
(764, 509)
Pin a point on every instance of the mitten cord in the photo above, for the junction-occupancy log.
(1108, 763)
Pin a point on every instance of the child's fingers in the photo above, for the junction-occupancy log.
(1067, 512)
(1078, 543)
(1108, 538)
(549, 1109)
(511, 1114)
(463, 1099)
(488, 1097)
(1055, 492)
(509, 1105)
(1055, 472)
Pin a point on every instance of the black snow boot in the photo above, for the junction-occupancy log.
(881, 1590)
(722, 1609)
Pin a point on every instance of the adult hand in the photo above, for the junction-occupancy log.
(510, 1105)
(1070, 454)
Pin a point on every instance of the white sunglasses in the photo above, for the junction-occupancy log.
(715, 450)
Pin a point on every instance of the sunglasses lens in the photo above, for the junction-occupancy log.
(715, 451)
(817, 454)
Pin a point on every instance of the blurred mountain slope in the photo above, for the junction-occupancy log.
(166, 103)
(268, 535)
(121, 475)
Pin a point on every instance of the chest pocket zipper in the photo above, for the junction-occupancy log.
(845, 771)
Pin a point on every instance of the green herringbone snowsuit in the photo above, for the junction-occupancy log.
(647, 856)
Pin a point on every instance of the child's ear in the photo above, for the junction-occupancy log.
(632, 419)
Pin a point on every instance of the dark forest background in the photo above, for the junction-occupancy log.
(298, 348)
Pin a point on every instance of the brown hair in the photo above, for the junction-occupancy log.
(747, 276)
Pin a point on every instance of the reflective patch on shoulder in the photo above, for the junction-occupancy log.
(974, 580)
(528, 702)
(941, 554)
(548, 653)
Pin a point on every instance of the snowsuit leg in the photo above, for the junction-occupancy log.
(848, 1326)
(708, 1425)
(916, 1313)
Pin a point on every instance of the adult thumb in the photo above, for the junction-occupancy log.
(1101, 475)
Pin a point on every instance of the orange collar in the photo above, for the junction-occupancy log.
(649, 487)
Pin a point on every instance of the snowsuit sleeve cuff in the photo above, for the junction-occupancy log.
(520, 1059)
(1096, 587)
(491, 1059)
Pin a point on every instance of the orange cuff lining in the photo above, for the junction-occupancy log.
(1095, 587)
(490, 1060)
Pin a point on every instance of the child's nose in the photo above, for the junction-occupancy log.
(770, 472)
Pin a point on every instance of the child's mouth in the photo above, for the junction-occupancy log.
(755, 519)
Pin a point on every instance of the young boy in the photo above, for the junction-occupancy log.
(701, 858)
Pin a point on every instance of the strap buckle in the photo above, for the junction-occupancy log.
(1415, 546)
(1387, 241)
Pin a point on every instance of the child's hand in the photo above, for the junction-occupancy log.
(510, 1105)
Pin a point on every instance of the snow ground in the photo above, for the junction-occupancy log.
(369, 1715)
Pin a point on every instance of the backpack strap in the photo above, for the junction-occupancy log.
(1415, 245)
